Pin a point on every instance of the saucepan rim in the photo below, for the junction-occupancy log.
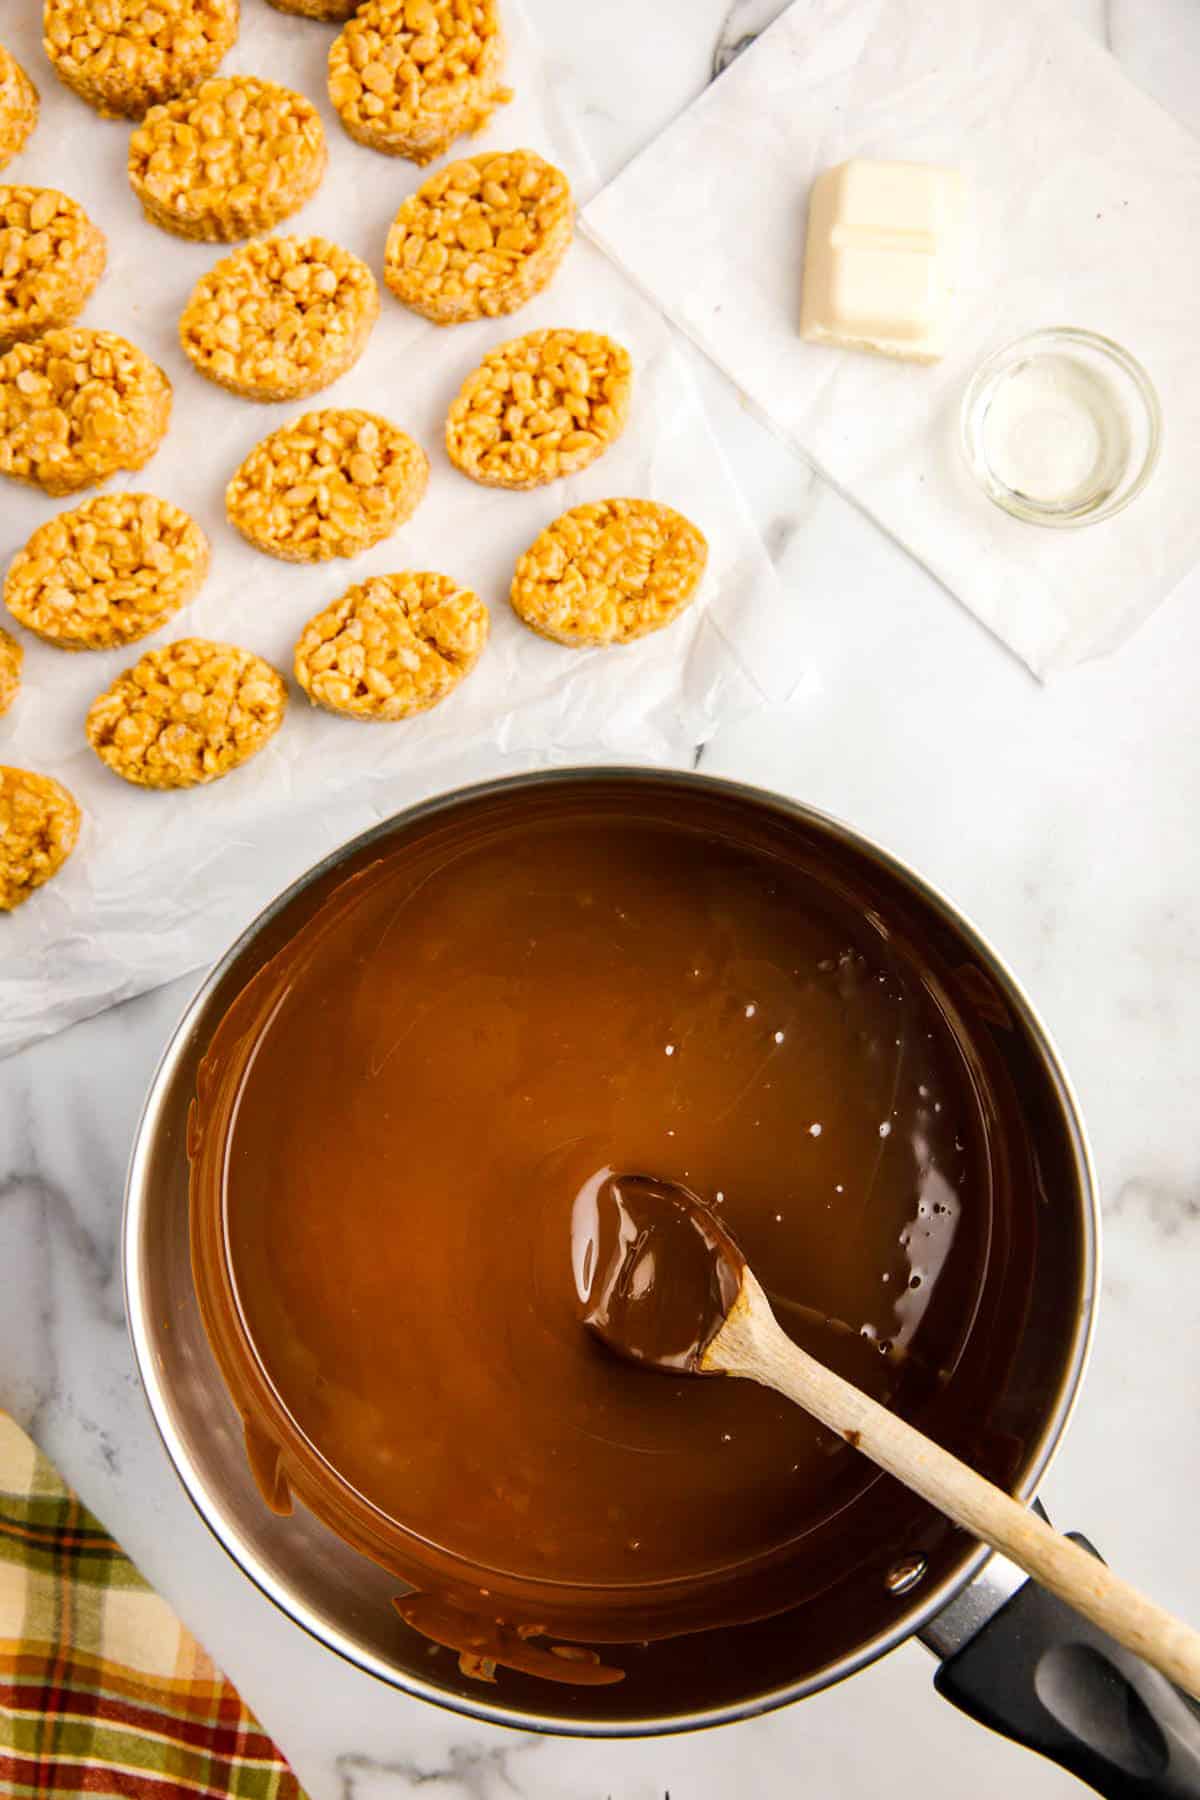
(207, 1503)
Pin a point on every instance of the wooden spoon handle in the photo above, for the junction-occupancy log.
(752, 1344)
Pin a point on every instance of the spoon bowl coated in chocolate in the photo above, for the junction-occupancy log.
(655, 1270)
(669, 1288)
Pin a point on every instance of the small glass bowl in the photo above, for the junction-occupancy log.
(1062, 427)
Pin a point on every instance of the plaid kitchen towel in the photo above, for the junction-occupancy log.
(102, 1691)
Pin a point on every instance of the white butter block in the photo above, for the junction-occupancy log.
(881, 257)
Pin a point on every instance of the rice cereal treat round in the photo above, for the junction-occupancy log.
(123, 56)
(391, 647)
(39, 822)
(333, 11)
(538, 407)
(11, 658)
(480, 237)
(280, 318)
(18, 106)
(609, 572)
(76, 406)
(108, 573)
(228, 161)
(409, 76)
(330, 484)
(188, 713)
(51, 257)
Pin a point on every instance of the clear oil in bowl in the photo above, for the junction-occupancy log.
(1061, 428)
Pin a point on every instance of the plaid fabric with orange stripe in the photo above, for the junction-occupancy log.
(102, 1690)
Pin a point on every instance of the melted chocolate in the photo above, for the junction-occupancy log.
(394, 1128)
(654, 1271)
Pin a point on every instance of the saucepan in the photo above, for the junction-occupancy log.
(1008, 1653)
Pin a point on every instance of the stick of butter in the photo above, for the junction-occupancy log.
(881, 257)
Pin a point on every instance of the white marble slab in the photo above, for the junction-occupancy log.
(1064, 821)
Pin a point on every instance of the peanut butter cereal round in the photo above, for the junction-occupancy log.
(391, 647)
(543, 405)
(76, 406)
(332, 11)
(11, 658)
(609, 572)
(228, 161)
(409, 76)
(280, 318)
(18, 106)
(51, 257)
(330, 484)
(480, 238)
(107, 574)
(123, 56)
(188, 713)
(39, 823)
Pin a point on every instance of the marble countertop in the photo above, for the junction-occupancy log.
(1062, 819)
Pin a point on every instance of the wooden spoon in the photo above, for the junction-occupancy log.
(662, 1282)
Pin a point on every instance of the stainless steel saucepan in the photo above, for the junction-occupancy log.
(1008, 1653)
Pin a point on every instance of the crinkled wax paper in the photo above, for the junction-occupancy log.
(1085, 202)
(160, 882)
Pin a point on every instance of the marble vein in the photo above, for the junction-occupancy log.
(1170, 1207)
(745, 21)
(471, 1773)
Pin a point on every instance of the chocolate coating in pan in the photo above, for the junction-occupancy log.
(396, 1122)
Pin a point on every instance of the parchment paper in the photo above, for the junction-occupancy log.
(159, 882)
(1086, 204)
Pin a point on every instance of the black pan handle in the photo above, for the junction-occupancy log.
(1040, 1674)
